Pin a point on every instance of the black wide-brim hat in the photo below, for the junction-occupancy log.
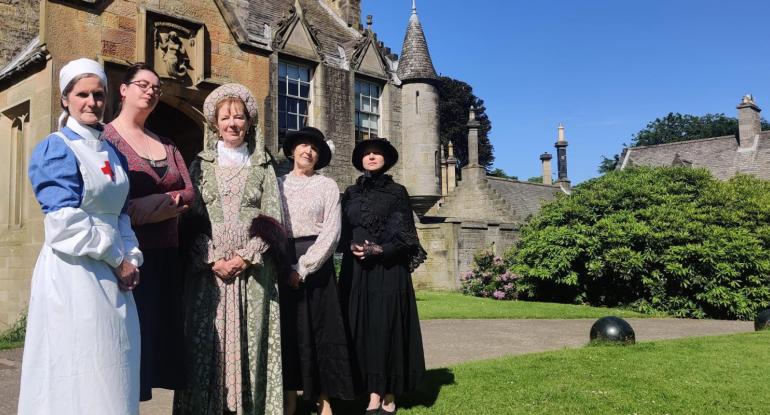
(389, 153)
(316, 138)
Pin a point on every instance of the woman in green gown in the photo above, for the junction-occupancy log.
(233, 346)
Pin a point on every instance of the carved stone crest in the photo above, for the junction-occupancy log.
(170, 40)
(173, 45)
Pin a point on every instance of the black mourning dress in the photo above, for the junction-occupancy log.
(377, 296)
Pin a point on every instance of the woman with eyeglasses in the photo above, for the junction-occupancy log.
(160, 190)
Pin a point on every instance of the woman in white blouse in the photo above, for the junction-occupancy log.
(315, 354)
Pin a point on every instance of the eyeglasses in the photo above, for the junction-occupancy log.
(144, 86)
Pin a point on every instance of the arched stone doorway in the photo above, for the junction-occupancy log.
(170, 122)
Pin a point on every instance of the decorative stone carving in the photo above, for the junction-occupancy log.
(170, 48)
(285, 30)
(173, 45)
(283, 26)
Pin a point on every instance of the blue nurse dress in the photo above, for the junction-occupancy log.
(81, 353)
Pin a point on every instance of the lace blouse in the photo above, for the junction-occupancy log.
(311, 207)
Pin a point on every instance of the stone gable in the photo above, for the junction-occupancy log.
(722, 156)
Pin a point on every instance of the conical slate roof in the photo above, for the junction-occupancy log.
(415, 62)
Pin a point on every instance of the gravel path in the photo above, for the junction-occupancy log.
(449, 342)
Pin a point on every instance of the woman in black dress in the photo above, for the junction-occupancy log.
(381, 249)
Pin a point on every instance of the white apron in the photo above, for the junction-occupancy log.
(81, 353)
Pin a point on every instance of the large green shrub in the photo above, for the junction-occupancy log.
(670, 239)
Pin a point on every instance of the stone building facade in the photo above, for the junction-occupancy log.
(308, 62)
(479, 212)
(746, 153)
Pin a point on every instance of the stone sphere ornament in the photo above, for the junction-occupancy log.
(762, 322)
(612, 330)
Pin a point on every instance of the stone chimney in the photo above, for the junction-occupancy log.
(561, 156)
(473, 138)
(348, 10)
(546, 159)
(748, 122)
(473, 172)
(451, 163)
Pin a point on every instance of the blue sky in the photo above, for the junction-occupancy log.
(605, 68)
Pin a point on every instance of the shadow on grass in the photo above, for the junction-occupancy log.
(425, 395)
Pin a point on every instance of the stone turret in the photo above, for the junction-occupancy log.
(749, 125)
(420, 118)
(561, 157)
(415, 63)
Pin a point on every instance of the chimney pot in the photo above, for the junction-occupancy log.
(749, 124)
(545, 158)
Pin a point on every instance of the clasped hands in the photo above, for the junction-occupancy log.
(366, 249)
(155, 208)
(229, 268)
(128, 275)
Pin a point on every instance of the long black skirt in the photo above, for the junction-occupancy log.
(159, 303)
(380, 313)
(313, 343)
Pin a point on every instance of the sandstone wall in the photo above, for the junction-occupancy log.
(112, 35)
(21, 225)
(451, 247)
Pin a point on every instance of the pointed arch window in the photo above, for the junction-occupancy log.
(15, 123)
(367, 96)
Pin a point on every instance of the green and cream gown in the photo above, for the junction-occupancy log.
(232, 327)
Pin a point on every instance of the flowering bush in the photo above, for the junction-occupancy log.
(490, 278)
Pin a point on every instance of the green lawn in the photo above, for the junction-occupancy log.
(434, 304)
(706, 375)
(10, 344)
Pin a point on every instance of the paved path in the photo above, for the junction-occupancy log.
(448, 342)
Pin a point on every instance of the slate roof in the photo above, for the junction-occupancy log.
(525, 198)
(415, 62)
(494, 200)
(33, 55)
(720, 155)
(330, 30)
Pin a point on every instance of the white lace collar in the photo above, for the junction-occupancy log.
(233, 157)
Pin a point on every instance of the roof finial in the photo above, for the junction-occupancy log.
(561, 132)
(414, 7)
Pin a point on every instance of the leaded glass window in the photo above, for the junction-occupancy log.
(367, 110)
(293, 97)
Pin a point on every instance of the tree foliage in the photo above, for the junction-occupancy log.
(498, 172)
(682, 127)
(679, 127)
(535, 179)
(670, 239)
(455, 100)
(608, 164)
